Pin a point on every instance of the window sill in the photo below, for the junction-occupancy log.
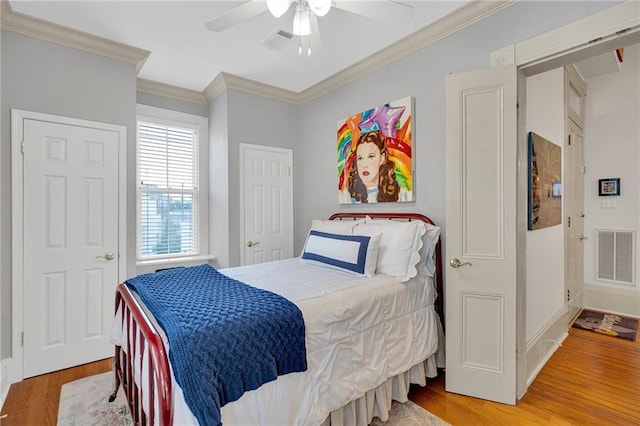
(173, 260)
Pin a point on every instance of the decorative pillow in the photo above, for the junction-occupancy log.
(344, 227)
(428, 253)
(400, 246)
(353, 253)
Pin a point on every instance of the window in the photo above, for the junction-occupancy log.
(168, 193)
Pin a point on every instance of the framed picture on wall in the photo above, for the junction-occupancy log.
(545, 185)
(608, 187)
(375, 154)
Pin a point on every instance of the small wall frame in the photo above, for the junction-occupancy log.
(608, 187)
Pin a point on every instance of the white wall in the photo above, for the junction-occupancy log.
(612, 149)
(545, 247)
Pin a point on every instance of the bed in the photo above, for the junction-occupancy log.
(369, 333)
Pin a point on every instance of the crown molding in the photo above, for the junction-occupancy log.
(460, 18)
(169, 91)
(225, 81)
(48, 31)
(215, 88)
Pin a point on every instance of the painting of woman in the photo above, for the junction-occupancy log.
(372, 176)
(375, 155)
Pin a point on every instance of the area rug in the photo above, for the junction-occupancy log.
(86, 402)
(409, 414)
(609, 324)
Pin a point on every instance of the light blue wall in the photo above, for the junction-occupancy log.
(421, 75)
(173, 104)
(219, 208)
(259, 121)
(49, 78)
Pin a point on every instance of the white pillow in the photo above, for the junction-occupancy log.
(344, 227)
(353, 253)
(400, 246)
(428, 253)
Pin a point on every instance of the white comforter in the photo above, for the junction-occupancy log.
(360, 332)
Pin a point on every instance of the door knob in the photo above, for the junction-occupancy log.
(455, 263)
(251, 243)
(107, 256)
(582, 238)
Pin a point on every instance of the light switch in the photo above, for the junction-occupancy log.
(609, 203)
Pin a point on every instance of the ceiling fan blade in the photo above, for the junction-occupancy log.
(381, 10)
(237, 15)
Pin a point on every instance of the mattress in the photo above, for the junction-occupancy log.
(360, 332)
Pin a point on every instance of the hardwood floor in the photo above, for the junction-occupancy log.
(590, 380)
(34, 401)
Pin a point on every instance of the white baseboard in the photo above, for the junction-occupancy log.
(614, 300)
(5, 380)
(545, 343)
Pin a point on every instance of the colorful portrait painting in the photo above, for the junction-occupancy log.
(375, 154)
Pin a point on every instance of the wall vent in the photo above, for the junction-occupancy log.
(616, 255)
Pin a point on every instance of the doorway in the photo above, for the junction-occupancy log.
(604, 31)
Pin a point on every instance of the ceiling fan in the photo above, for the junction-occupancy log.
(305, 18)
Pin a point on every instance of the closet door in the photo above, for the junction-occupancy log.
(266, 207)
(481, 277)
(575, 95)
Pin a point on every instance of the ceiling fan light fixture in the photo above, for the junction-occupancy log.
(319, 7)
(278, 7)
(301, 22)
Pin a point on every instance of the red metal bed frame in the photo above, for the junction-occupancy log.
(141, 329)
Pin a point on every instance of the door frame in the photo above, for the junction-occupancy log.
(243, 147)
(614, 27)
(17, 224)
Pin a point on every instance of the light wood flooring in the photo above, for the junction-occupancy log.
(591, 380)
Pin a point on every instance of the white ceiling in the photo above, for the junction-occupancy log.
(186, 54)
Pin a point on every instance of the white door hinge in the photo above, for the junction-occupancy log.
(583, 169)
(22, 339)
(22, 148)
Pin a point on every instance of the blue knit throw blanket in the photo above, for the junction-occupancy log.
(225, 337)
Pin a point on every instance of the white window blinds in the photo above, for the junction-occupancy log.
(167, 205)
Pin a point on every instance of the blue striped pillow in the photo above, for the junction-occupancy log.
(353, 253)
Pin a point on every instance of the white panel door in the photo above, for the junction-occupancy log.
(573, 194)
(481, 234)
(266, 183)
(70, 244)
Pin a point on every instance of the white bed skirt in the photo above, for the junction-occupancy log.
(377, 402)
